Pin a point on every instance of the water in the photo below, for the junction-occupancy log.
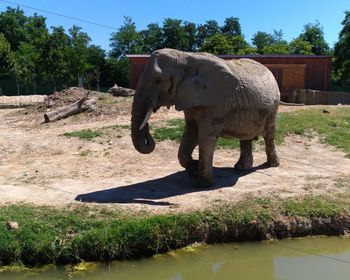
(307, 258)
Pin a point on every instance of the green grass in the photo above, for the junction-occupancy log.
(309, 207)
(174, 130)
(333, 126)
(48, 235)
(86, 134)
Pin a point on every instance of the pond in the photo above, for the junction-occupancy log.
(305, 258)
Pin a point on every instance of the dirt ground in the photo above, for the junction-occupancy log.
(39, 165)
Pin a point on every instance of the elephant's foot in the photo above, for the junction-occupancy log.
(273, 161)
(203, 182)
(192, 169)
(198, 180)
(244, 164)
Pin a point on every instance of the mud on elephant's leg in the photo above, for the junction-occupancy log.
(188, 142)
(270, 147)
(246, 158)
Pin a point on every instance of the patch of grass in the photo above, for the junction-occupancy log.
(174, 130)
(86, 134)
(333, 125)
(310, 207)
(49, 235)
(84, 153)
(117, 126)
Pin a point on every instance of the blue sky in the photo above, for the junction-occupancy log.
(254, 15)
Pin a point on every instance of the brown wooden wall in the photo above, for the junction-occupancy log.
(291, 71)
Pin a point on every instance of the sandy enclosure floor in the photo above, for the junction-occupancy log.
(39, 165)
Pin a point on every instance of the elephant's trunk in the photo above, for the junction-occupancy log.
(141, 138)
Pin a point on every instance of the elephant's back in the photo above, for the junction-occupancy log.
(255, 99)
(256, 86)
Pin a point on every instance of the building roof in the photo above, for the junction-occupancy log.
(248, 56)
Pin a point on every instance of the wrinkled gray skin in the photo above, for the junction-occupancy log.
(237, 98)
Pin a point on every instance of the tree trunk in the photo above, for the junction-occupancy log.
(77, 107)
(17, 85)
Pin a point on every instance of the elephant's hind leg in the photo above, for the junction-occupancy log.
(270, 147)
(246, 158)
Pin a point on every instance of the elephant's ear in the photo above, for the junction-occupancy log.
(207, 81)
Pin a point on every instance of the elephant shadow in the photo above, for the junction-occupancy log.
(175, 184)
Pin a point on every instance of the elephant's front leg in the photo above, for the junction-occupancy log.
(188, 142)
(208, 134)
(205, 162)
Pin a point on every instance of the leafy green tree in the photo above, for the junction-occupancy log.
(173, 34)
(26, 59)
(12, 25)
(96, 59)
(151, 38)
(278, 36)
(218, 44)
(261, 40)
(232, 27)
(57, 56)
(207, 30)
(190, 38)
(115, 71)
(126, 40)
(342, 52)
(6, 61)
(77, 52)
(299, 46)
(313, 33)
(276, 48)
(225, 44)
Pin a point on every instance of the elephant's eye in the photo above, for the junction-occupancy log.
(158, 81)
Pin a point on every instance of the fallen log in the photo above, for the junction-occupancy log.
(21, 101)
(81, 105)
(121, 91)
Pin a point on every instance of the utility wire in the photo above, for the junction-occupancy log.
(60, 15)
(313, 253)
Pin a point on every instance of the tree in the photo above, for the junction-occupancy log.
(278, 36)
(276, 48)
(96, 59)
(232, 27)
(342, 52)
(190, 39)
(6, 61)
(12, 25)
(299, 46)
(225, 44)
(26, 59)
(151, 38)
(313, 33)
(126, 40)
(207, 30)
(115, 71)
(57, 56)
(261, 40)
(218, 44)
(78, 54)
(173, 34)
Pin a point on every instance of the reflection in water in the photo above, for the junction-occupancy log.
(308, 258)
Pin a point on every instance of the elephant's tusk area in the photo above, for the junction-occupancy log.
(148, 115)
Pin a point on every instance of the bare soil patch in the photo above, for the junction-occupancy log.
(41, 166)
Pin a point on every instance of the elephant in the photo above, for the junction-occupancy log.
(235, 98)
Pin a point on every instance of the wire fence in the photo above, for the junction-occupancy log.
(9, 87)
